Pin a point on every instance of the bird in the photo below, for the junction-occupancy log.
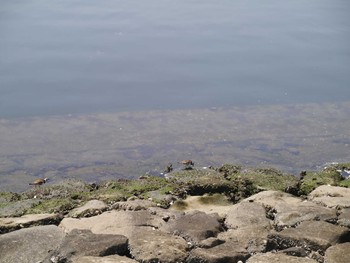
(187, 162)
(169, 168)
(39, 181)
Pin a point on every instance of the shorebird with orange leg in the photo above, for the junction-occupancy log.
(187, 163)
(39, 182)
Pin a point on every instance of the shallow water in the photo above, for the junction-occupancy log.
(128, 144)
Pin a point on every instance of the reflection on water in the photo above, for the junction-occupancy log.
(129, 144)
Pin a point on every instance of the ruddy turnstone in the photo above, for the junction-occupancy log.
(39, 181)
(187, 162)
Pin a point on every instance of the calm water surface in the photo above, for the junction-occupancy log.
(84, 56)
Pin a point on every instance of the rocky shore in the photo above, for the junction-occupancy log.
(199, 215)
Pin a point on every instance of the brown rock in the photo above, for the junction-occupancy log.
(344, 217)
(29, 245)
(114, 222)
(291, 214)
(339, 253)
(278, 258)
(91, 208)
(147, 245)
(310, 235)
(228, 252)
(13, 223)
(331, 196)
(194, 226)
(247, 214)
(252, 238)
(80, 243)
(133, 205)
(108, 259)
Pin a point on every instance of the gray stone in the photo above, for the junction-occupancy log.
(310, 235)
(291, 214)
(91, 208)
(339, 253)
(210, 242)
(253, 238)
(247, 214)
(344, 217)
(9, 224)
(278, 258)
(194, 226)
(29, 245)
(114, 222)
(272, 198)
(228, 252)
(148, 246)
(108, 259)
(331, 196)
(80, 243)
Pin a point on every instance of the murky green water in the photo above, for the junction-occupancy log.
(129, 144)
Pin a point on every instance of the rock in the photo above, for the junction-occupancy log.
(210, 242)
(13, 223)
(18, 208)
(339, 253)
(252, 238)
(147, 245)
(133, 205)
(331, 196)
(114, 222)
(344, 217)
(310, 235)
(29, 245)
(91, 208)
(108, 259)
(278, 258)
(272, 198)
(80, 243)
(228, 252)
(288, 215)
(199, 203)
(194, 226)
(287, 210)
(294, 251)
(247, 214)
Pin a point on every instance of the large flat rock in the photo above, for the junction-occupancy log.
(311, 235)
(194, 226)
(30, 245)
(288, 215)
(13, 223)
(114, 222)
(152, 245)
(247, 214)
(108, 259)
(272, 198)
(228, 252)
(331, 196)
(91, 208)
(278, 258)
(339, 253)
(80, 243)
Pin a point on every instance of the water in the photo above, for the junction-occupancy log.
(84, 56)
(116, 88)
